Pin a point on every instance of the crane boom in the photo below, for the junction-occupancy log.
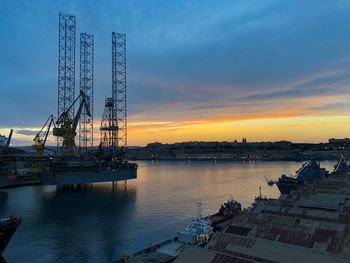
(82, 104)
(9, 139)
(41, 137)
(66, 126)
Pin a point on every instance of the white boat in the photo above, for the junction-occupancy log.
(198, 232)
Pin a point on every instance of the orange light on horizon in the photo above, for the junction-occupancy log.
(299, 129)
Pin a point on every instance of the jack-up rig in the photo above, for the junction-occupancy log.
(114, 122)
(79, 165)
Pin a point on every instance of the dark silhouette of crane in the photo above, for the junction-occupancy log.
(41, 137)
(66, 127)
(9, 139)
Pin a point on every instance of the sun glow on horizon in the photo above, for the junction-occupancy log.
(297, 129)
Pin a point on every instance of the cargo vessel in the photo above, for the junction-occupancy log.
(8, 226)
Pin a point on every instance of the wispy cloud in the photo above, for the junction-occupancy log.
(27, 132)
(190, 63)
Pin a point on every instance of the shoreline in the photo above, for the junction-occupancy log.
(8, 182)
(226, 160)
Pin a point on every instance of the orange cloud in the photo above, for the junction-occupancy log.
(299, 119)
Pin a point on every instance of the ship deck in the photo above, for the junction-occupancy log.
(89, 177)
(311, 224)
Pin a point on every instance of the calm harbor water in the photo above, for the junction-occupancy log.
(101, 225)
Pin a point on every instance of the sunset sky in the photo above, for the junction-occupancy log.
(197, 70)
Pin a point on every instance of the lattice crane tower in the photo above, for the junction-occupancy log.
(114, 121)
(119, 85)
(109, 127)
(66, 65)
(87, 86)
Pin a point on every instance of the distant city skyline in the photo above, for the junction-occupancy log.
(196, 70)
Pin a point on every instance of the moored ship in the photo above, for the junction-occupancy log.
(230, 207)
(8, 226)
(227, 210)
(259, 200)
(308, 173)
(341, 166)
(198, 232)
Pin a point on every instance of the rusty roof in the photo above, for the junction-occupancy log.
(311, 224)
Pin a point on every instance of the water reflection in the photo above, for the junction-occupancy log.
(3, 199)
(89, 216)
(102, 225)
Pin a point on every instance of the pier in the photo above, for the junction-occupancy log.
(312, 224)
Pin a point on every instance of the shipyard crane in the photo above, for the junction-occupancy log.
(5, 142)
(66, 126)
(41, 137)
(9, 139)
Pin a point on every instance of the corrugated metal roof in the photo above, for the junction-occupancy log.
(312, 224)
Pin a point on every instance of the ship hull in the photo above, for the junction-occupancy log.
(219, 218)
(7, 230)
(87, 176)
(287, 188)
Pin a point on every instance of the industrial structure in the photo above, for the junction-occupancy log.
(114, 121)
(66, 126)
(86, 124)
(109, 126)
(5, 142)
(71, 167)
(311, 224)
(66, 66)
(119, 85)
(41, 137)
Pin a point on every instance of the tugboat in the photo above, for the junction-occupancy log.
(8, 226)
(308, 173)
(198, 232)
(230, 207)
(226, 211)
(259, 200)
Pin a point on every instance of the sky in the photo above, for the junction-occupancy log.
(196, 70)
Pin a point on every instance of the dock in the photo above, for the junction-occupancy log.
(312, 224)
(161, 252)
